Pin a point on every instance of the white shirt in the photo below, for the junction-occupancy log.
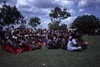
(71, 44)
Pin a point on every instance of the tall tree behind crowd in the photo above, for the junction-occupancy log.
(86, 24)
(10, 15)
(34, 21)
(57, 15)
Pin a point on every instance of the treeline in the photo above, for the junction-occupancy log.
(86, 24)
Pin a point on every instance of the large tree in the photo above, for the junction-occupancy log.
(86, 24)
(57, 15)
(10, 15)
(34, 21)
(63, 27)
(56, 26)
(53, 26)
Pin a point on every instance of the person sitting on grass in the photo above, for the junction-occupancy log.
(72, 44)
(10, 42)
(56, 41)
(50, 42)
(81, 42)
(63, 43)
(33, 44)
(53, 42)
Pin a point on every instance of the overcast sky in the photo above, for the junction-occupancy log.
(42, 8)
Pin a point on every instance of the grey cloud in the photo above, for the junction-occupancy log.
(25, 6)
(45, 3)
(35, 7)
(38, 13)
(10, 2)
(4, 0)
(32, 11)
(88, 3)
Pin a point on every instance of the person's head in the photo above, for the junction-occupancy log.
(79, 36)
(73, 35)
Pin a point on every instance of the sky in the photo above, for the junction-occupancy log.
(42, 8)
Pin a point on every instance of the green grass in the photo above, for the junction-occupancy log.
(55, 57)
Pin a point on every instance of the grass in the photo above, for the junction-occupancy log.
(55, 57)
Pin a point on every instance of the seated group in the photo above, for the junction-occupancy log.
(72, 42)
(18, 44)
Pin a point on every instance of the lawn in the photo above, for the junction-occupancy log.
(55, 57)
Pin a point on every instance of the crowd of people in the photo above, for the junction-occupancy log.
(21, 39)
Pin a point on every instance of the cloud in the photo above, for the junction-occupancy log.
(39, 6)
(88, 3)
(9, 2)
(66, 3)
(98, 7)
(1, 1)
(45, 3)
(81, 10)
(28, 7)
(68, 21)
(42, 8)
(87, 14)
(71, 11)
(44, 24)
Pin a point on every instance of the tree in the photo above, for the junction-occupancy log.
(34, 21)
(57, 15)
(86, 24)
(54, 26)
(9, 15)
(63, 27)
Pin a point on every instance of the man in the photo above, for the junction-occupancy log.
(72, 44)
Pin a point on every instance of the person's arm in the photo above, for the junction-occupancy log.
(74, 41)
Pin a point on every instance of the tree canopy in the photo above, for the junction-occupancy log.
(10, 15)
(86, 24)
(57, 15)
(53, 26)
(56, 26)
(34, 21)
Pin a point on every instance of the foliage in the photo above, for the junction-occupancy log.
(56, 15)
(86, 24)
(54, 26)
(63, 27)
(34, 21)
(10, 15)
